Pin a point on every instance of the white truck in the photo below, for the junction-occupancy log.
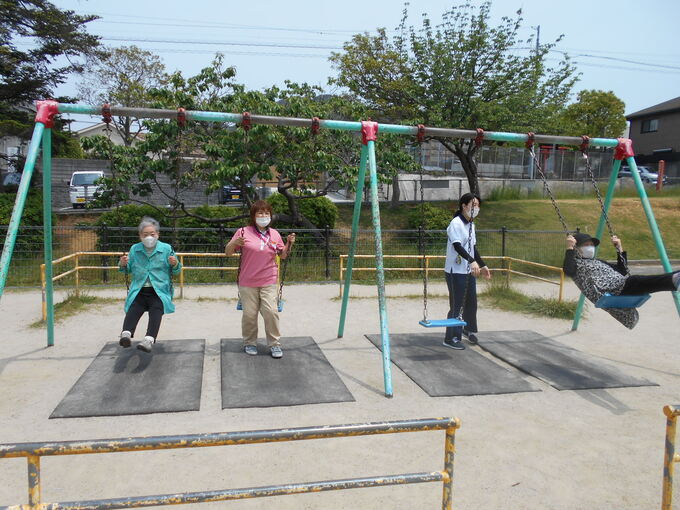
(83, 186)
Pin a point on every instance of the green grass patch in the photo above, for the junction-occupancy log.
(508, 299)
(74, 305)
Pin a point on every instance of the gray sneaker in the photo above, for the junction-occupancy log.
(251, 350)
(146, 344)
(276, 352)
(454, 343)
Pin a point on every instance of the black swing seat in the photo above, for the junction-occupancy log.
(443, 323)
(612, 301)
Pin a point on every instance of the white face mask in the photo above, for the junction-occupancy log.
(149, 241)
(587, 252)
(263, 221)
(475, 212)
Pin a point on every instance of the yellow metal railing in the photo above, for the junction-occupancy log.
(76, 257)
(670, 457)
(506, 261)
(34, 451)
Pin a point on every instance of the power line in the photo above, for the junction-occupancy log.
(225, 43)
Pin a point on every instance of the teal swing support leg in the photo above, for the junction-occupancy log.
(626, 147)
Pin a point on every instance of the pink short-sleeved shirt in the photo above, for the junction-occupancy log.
(258, 263)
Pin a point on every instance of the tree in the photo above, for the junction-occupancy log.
(303, 165)
(595, 113)
(123, 77)
(462, 73)
(54, 40)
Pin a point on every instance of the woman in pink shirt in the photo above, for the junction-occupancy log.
(259, 245)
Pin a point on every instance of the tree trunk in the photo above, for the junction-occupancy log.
(396, 194)
(296, 217)
(466, 156)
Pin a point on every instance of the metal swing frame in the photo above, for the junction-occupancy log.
(41, 138)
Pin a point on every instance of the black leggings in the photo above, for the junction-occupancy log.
(146, 301)
(645, 284)
(461, 285)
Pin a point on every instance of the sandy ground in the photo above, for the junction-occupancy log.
(596, 449)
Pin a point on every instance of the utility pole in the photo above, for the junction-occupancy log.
(538, 37)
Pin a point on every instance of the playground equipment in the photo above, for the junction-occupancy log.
(46, 110)
(34, 451)
(670, 457)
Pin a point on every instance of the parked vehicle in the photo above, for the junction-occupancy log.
(11, 181)
(83, 187)
(646, 174)
(233, 193)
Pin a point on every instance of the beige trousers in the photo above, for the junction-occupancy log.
(263, 300)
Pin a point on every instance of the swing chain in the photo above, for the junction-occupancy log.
(591, 174)
(546, 186)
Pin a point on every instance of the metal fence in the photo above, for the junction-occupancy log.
(34, 451)
(314, 259)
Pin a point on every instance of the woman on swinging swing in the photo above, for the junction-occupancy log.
(595, 277)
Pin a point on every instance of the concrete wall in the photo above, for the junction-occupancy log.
(63, 168)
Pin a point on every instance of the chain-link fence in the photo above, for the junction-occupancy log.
(315, 257)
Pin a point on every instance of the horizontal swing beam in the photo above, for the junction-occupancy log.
(339, 125)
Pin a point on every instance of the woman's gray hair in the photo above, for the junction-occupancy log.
(148, 221)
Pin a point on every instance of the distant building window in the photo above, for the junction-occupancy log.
(650, 126)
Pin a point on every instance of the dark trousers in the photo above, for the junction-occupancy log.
(645, 284)
(146, 301)
(457, 283)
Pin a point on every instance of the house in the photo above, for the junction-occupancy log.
(655, 132)
(101, 129)
(14, 148)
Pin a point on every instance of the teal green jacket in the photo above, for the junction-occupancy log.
(156, 268)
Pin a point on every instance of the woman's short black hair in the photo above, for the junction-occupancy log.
(466, 199)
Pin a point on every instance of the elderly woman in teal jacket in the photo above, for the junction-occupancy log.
(152, 264)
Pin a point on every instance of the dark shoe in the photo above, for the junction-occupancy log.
(471, 338)
(454, 344)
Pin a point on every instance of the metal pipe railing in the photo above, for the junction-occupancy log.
(670, 457)
(507, 270)
(34, 451)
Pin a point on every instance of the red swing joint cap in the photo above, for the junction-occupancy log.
(316, 125)
(420, 134)
(530, 140)
(181, 117)
(624, 149)
(480, 137)
(369, 131)
(585, 142)
(106, 113)
(46, 110)
(245, 121)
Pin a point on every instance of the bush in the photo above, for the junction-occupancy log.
(212, 239)
(319, 210)
(28, 239)
(430, 217)
(116, 229)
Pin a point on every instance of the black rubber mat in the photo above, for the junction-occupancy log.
(302, 376)
(560, 366)
(444, 372)
(129, 381)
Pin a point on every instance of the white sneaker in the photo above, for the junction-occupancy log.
(146, 344)
(124, 340)
(276, 352)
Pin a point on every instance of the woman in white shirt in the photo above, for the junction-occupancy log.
(463, 266)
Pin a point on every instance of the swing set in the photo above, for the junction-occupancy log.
(46, 111)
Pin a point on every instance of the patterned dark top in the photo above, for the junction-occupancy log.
(595, 277)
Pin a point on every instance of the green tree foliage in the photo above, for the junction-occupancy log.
(28, 240)
(123, 77)
(301, 164)
(320, 211)
(462, 73)
(53, 40)
(595, 113)
(429, 217)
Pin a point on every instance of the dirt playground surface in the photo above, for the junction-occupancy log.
(587, 449)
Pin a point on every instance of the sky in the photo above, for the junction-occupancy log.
(631, 47)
